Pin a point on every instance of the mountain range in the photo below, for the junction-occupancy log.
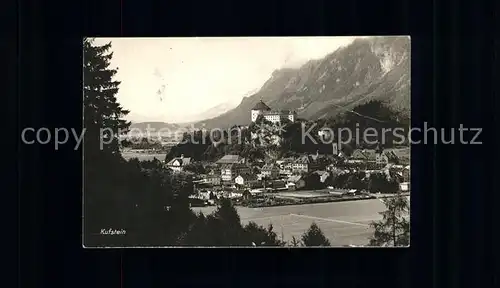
(367, 69)
(155, 126)
(217, 110)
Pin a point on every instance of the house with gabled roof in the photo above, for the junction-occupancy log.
(270, 171)
(214, 179)
(378, 156)
(245, 179)
(323, 175)
(177, 164)
(295, 182)
(406, 173)
(285, 166)
(302, 164)
(230, 171)
(363, 155)
(386, 156)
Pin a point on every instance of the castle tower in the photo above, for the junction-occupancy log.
(258, 109)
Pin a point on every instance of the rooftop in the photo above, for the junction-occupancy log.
(364, 154)
(294, 178)
(261, 106)
(278, 112)
(268, 167)
(303, 160)
(233, 165)
(183, 161)
(230, 159)
(248, 176)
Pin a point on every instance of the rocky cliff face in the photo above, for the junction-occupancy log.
(367, 69)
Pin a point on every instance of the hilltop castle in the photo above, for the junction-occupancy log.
(270, 114)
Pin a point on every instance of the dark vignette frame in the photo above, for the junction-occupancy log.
(49, 90)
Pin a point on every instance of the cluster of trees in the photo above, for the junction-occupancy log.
(143, 198)
(195, 167)
(203, 146)
(373, 115)
(223, 228)
(143, 143)
(343, 164)
(377, 182)
(313, 182)
(394, 227)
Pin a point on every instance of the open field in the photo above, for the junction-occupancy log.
(303, 194)
(143, 156)
(343, 223)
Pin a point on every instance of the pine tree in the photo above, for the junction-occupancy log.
(225, 225)
(393, 229)
(314, 237)
(104, 208)
(197, 233)
(101, 109)
(295, 242)
(261, 236)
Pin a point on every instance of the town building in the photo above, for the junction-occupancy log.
(213, 170)
(270, 171)
(304, 164)
(177, 164)
(404, 186)
(279, 184)
(375, 156)
(230, 159)
(335, 149)
(386, 157)
(325, 133)
(231, 171)
(271, 115)
(236, 194)
(213, 179)
(295, 182)
(332, 167)
(403, 155)
(285, 167)
(301, 165)
(323, 175)
(245, 179)
(362, 155)
(406, 173)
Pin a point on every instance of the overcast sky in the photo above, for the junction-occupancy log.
(200, 73)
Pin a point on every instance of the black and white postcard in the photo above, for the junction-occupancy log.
(246, 142)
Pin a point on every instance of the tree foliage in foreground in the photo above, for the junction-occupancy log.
(394, 228)
(223, 228)
(314, 237)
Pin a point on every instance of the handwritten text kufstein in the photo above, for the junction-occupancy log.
(111, 231)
